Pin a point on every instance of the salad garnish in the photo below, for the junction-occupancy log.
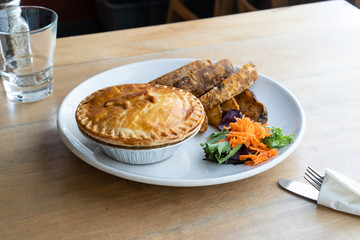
(244, 141)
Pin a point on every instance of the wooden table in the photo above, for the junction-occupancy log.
(46, 192)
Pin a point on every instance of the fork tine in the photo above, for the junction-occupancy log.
(314, 178)
(316, 184)
(312, 183)
(314, 175)
(321, 178)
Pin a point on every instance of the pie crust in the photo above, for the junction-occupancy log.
(140, 115)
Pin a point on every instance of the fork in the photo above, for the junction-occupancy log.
(314, 178)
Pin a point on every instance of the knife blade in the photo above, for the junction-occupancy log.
(299, 188)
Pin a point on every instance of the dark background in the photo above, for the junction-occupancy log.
(78, 17)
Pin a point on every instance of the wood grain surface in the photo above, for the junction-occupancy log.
(46, 192)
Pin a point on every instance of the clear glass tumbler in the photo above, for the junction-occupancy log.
(27, 48)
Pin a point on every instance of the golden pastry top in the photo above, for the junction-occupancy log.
(139, 115)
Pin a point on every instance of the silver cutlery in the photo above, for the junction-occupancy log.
(314, 178)
(299, 188)
(334, 190)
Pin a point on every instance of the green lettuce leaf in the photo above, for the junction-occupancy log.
(278, 139)
(221, 151)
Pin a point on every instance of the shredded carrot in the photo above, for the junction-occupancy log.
(250, 133)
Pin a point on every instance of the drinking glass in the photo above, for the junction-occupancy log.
(27, 47)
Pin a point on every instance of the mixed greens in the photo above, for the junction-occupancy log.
(219, 151)
(220, 148)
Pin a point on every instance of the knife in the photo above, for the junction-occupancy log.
(299, 188)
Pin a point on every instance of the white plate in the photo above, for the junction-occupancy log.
(187, 167)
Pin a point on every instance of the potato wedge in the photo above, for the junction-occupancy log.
(205, 79)
(230, 87)
(214, 115)
(170, 78)
(230, 105)
(205, 124)
(251, 107)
